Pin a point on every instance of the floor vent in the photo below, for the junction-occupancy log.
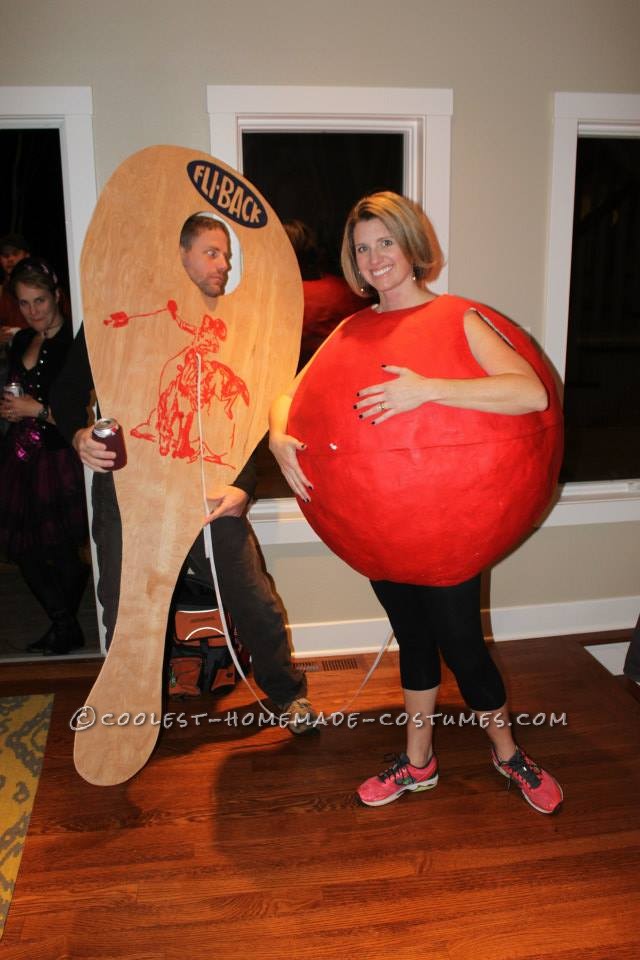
(328, 663)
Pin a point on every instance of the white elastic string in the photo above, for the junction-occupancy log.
(370, 673)
(209, 553)
(208, 541)
(208, 549)
(206, 630)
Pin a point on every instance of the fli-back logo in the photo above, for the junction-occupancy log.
(227, 194)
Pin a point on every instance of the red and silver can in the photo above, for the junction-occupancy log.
(14, 389)
(108, 431)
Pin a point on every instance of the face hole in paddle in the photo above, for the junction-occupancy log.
(211, 254)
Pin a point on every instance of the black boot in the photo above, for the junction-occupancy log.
(71, 576)
(66, 636)
(39, 645)
(41, 577)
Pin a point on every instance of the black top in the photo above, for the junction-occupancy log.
(38, 381)
(71, 396)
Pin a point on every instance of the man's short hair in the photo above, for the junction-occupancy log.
(197, 224)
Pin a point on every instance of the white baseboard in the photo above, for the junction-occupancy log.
(342, 637)
(558, 619)
(503, 623)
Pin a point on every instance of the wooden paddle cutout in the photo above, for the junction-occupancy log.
(145, 322)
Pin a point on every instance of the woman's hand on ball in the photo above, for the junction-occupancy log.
(285, 449)
(384, 400)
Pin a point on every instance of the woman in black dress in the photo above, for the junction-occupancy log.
(43, 522)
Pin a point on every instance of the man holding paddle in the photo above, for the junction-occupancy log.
(246, 590)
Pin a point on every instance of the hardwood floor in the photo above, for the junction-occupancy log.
(236, 842)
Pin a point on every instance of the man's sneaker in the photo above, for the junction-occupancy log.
(538, 787)
(301, 717)
(400, 776)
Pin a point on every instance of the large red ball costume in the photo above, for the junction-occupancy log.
(435, 495)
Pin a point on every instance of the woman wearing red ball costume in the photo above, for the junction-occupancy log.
(390, 247)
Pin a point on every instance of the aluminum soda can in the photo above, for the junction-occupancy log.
(14, 389)
(108, 431)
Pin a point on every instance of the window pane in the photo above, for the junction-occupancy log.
(317, 178)
(31, 197)
(602, 390)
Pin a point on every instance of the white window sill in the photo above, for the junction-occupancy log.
(281, 520)
(611, 501)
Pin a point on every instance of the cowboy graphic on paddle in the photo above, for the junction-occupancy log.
(170, 422)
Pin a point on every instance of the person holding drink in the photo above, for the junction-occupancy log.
(43, 521)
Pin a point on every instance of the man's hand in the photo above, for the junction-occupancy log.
(226, 502)
(93, 453)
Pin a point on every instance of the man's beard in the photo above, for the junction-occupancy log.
(213, 287)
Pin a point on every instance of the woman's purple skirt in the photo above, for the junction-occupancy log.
(42, 498)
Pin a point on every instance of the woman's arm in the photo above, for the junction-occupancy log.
(285, 447)
(512, 387)
(18, 408)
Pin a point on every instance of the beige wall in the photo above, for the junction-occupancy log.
(148, 66)
(555, 565)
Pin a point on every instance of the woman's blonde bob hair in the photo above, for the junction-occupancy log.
(409, 226)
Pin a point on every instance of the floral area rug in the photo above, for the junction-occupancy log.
(24, 725)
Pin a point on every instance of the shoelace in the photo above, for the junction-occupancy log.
(398, 769)
(302, 711)
(524, 768)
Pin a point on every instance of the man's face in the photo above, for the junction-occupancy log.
(9, 257)
(208, 261)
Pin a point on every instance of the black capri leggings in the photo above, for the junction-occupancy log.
(426, 620)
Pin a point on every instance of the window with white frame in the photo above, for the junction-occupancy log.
(421, 116)
(578, 116)
(601, 397)
(69, 110)
(423, 119)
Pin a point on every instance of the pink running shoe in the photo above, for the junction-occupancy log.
(400, 776)
(538, 787)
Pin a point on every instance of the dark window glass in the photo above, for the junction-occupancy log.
(317, 178)
(31, 195)
(602, 391)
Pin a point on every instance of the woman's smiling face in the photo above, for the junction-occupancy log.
(380, 259)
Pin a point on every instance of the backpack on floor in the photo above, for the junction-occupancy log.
(199, 659)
